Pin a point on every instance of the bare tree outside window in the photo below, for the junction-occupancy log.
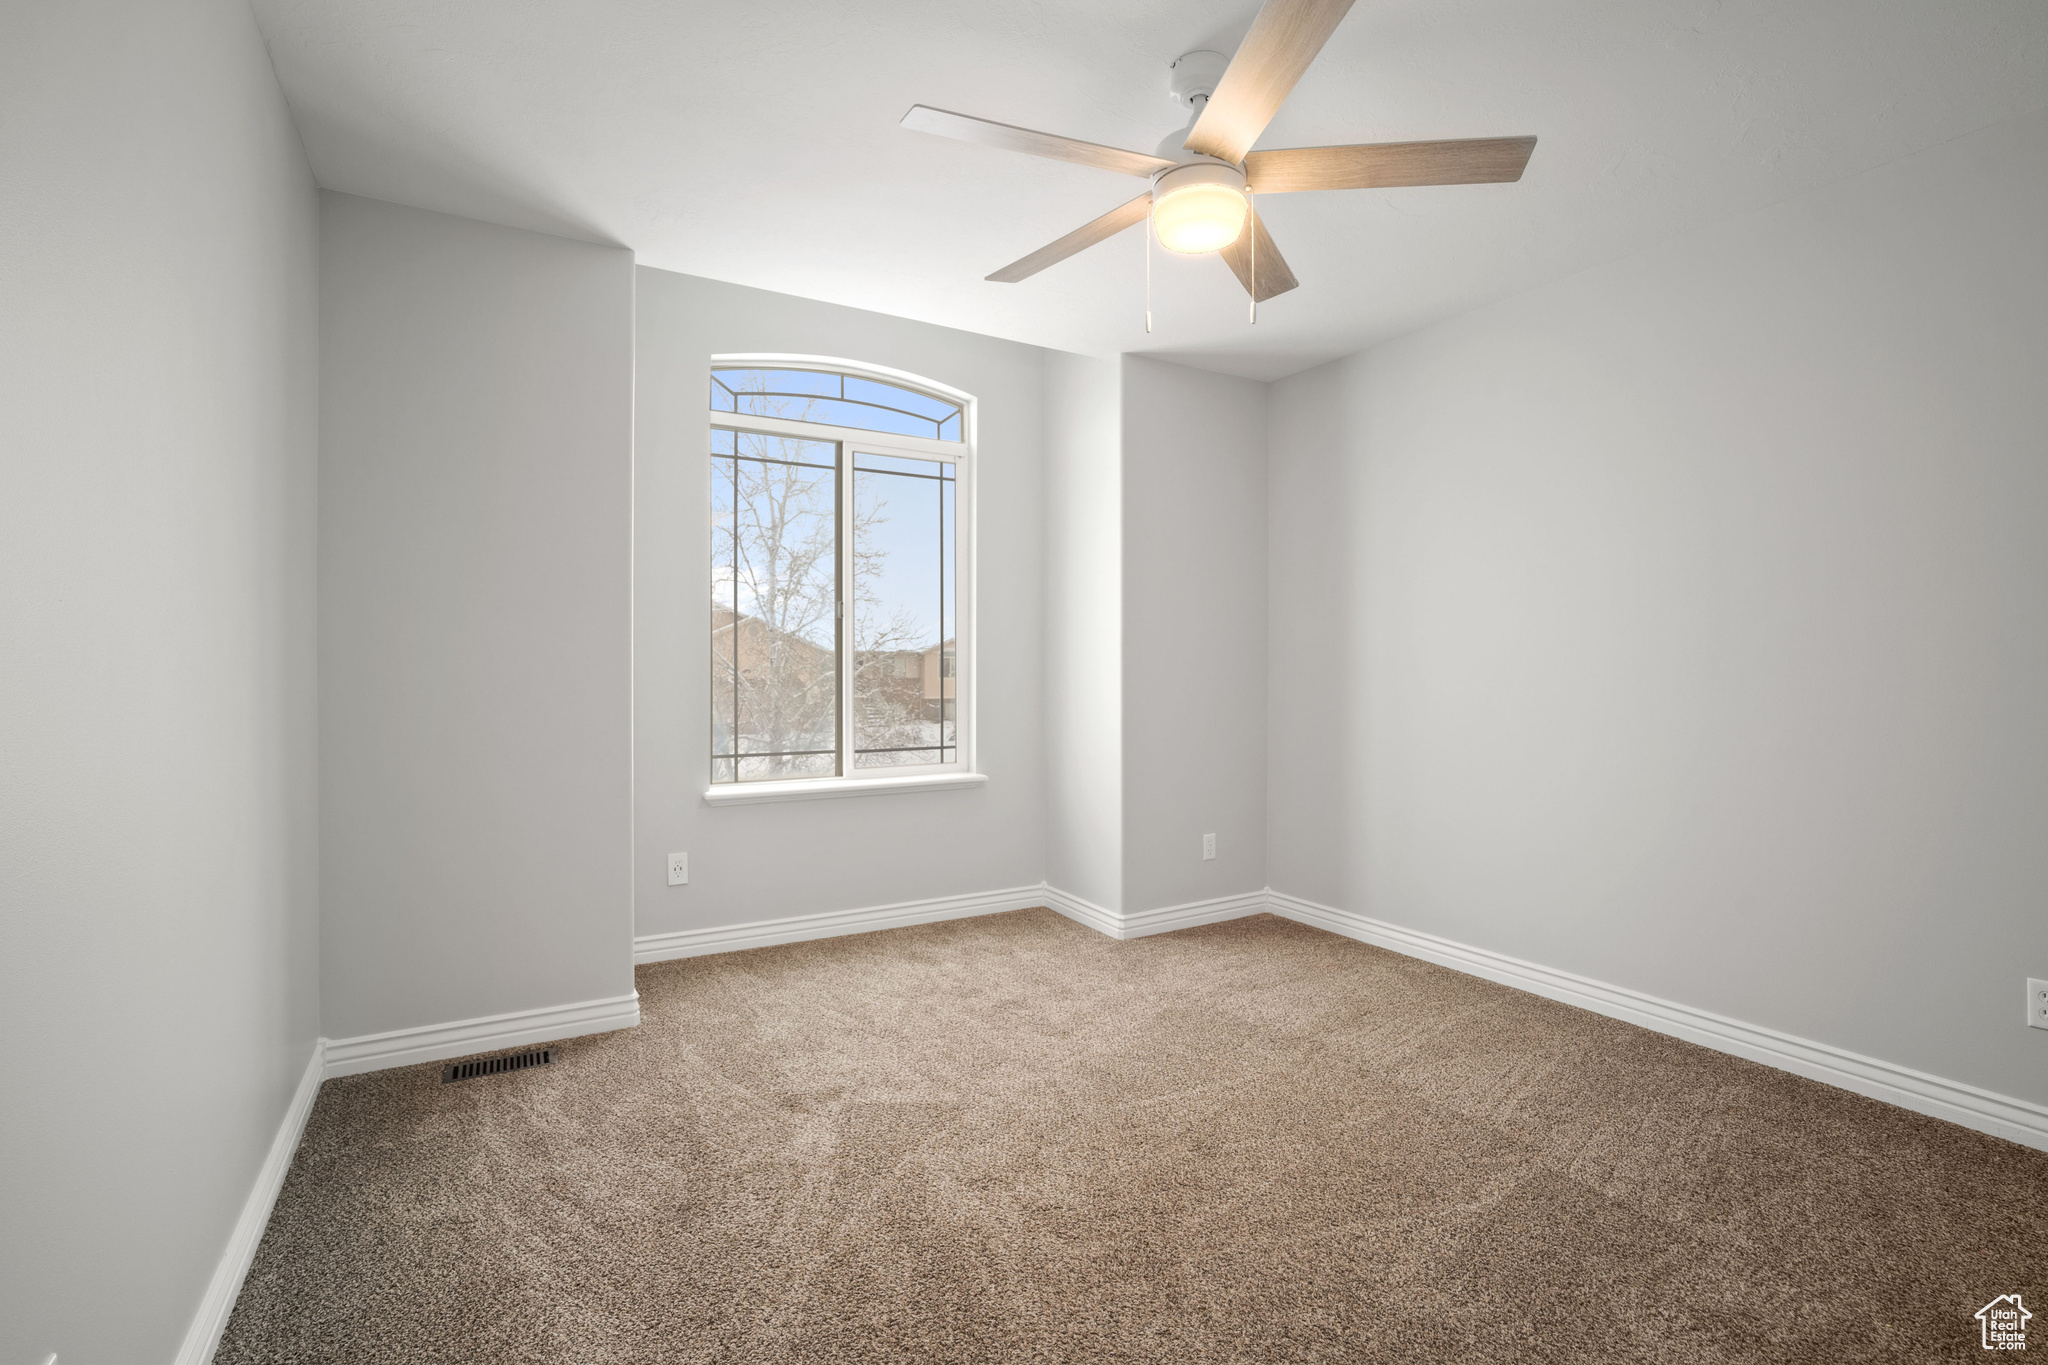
(775, 677)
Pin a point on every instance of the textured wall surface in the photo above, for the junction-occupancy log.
(1194, 642)
(1681, 624)
(475, 618)
(158, 864)
(1084, 627)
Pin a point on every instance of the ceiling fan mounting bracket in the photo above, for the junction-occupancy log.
(1193, 76)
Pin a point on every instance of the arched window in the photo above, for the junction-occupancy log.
(840, 606)
(835, 398)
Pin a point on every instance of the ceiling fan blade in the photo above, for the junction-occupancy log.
(966, 128)
(1284, 39)
(1268, 269)
(1080, 239)
(1468, 161)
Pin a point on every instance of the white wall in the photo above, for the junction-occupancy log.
(756, 862)
(475, 618)
(158, 986)
(1681, 624)
(1084, 621)
(1194, 641)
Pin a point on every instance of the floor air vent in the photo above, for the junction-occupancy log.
(496, 1066)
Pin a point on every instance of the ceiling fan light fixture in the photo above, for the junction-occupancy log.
(1199, 219)
(1199, 208)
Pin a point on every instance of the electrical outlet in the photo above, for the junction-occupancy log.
(678, 869)
(1208, 847)
(2037, 1004)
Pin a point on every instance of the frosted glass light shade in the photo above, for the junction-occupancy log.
(1199, 218)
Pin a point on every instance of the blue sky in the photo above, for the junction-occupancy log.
(909, 534)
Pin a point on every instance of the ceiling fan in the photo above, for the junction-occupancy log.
(1204, 176)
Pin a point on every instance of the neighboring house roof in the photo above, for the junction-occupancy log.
(752, 631)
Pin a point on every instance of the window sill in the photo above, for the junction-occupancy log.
(823, 788)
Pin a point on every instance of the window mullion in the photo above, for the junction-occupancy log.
(844, 609)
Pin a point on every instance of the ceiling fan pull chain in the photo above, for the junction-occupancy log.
(1148, 272)
(1251, 213)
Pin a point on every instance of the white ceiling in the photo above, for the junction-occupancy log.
(757, 142)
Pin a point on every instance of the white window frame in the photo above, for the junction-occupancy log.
(962, 772)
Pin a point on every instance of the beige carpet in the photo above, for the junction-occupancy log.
(1010, 1139)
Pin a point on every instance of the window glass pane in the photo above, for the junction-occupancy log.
(899, 464)
(840, 400)
(905, 607)
(774, 610)
(890, 396)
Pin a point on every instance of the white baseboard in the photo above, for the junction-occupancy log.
(1985, 1111)
(1141, 923)
(731, 938)
(202, 1338)
(1083, 912)
(438, 1042)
